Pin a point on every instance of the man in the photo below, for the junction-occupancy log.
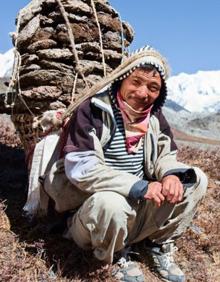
(123, 179)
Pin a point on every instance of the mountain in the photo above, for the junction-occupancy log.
(197, 93)
(193, 106)
(6, 64)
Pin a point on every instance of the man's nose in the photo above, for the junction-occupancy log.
(142, 91)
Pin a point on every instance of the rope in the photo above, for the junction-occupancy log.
(15, 76)
(122, 37)
(74, 88)
(72, 40)
(20, 92)
(100, 37)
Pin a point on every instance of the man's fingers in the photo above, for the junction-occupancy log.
(157, 200)
(172, 189)
(180, 198)
(177, 197)
(154, 193)
(161, 196)
(165, 189)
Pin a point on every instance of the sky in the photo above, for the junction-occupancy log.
(186, 32)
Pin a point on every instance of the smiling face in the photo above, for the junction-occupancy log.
(141, 88)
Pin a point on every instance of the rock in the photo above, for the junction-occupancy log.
(27, 59)
(56, 105)
(111, 40)
(48, 63)
(106, 21)
(46, 77)
(27, 13)
(56, 66)
(103, 7)
(28, 31)
(41, 44)
(55, 54)
(42, 92)
(27, 69)
(128, 32)
(77, 7)
(89, 67)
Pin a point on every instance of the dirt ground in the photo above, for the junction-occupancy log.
(29, 251)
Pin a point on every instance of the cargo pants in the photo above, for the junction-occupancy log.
(107, 221)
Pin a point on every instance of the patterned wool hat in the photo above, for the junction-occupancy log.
(144, 57)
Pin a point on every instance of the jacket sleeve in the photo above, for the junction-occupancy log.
(166, 163)
(84, 160)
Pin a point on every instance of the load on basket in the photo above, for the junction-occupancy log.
(64, 52)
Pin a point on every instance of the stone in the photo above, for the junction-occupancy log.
(45, 77)
(42, 92)
(41, 44)
(107, 21)
(28, 31)
(26, 14)
(27, 59)
(55, 54)
(25, 69)
(77, 7)
(128, 32)
(111, 40)
(89, 67)
(56, 105)
(48, 64)
(102, 6)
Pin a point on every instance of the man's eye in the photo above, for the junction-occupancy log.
(154, 89)
(136, 82)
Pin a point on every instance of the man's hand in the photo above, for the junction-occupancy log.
(154, 193)
(172, 189)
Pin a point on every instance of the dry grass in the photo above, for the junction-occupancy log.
(28, 252)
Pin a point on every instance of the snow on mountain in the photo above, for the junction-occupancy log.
(199, 92)
(6, 64)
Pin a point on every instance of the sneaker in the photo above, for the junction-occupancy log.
(163, 261)
(126, 270)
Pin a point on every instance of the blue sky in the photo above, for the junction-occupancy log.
(186, 32)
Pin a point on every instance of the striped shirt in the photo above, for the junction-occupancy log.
(116, 155)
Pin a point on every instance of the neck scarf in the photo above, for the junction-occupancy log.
(135, 124)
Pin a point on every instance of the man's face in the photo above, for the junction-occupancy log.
(141, 88)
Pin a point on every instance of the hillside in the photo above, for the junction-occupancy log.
(30, 252)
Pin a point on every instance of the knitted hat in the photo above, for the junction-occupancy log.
(140, 58)
(144, 56)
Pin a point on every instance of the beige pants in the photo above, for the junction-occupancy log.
(107, 221)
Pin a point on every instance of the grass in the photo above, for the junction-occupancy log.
(28, 252)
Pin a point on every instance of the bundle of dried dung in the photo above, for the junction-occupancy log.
(63, 46)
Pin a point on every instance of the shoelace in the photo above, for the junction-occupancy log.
(167, 257)
(122, 262)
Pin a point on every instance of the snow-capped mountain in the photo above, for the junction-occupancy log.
(6, 64)
(199, 92)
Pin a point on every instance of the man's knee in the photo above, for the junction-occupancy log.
(107, 206)
(110, 201)
(198, 190)
(202, 182)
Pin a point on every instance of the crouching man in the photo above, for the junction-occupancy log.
(121, 172)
